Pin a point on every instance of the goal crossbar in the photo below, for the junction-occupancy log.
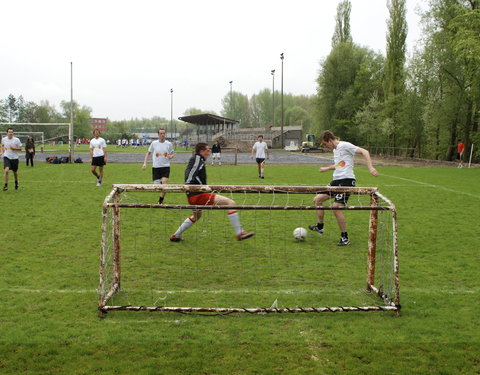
(111, 226)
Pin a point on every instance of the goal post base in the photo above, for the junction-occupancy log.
(250, 310)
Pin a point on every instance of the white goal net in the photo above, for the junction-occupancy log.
(211, 272)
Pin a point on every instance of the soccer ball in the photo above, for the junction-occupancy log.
(300, 234)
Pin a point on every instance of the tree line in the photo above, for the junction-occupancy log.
(417, 106)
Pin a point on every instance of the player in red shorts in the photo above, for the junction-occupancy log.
(195, 174)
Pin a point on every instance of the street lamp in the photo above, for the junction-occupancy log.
(273, 96)
(171, 111)
(231, 100)
(283, 119)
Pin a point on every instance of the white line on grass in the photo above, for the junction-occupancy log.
(247, 291)
(433, 185)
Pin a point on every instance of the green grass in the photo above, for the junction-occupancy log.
(49, 274)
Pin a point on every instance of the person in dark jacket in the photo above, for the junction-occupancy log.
(29, 151)
(216, 153)
(196, 174)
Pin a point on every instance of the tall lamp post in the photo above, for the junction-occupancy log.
(70, 128)
(283, 118)
(273, 96)
(171, 111)
(231, 100)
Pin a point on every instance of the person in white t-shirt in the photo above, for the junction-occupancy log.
(260, 149)
(10, 146)
(98, 155)
(162, 151)
(343, 155)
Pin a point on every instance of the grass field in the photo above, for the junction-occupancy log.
(49, 275)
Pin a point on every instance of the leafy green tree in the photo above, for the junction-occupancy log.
(261, 108)
(395, 65)
(237, 104)
(13, 107)
(349, 76)
(3, 111)
(342, 32)
(81, 118)
(296, 115)
(449, 86)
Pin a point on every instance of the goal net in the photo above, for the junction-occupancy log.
(211, 272)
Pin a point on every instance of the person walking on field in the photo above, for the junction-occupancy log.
(343, 155)
(216, 152)
(260, 149)
(162, 151)
(98, 155)
(29, 151)
(196, 174)
(460, 153)
(10, 146)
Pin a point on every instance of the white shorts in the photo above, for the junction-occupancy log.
(216, 155)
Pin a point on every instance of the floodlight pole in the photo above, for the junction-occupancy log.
(171, 111)
(283, 118)
(70, 128)
(231, 100)
(273, 97)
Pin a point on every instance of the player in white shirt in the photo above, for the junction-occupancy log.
(10, 146)
(98, 155)
(343, 155)
(260, 149)
(162, 151)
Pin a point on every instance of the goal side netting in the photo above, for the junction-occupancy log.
(209, 271)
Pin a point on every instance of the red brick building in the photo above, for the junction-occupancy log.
(99, 123)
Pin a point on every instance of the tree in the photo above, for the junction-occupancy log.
(395, 65)
(81, 118)
(13, 107)
(237, 104)
(342, 24)
(261, 108)
(449, 87)
(348, 77)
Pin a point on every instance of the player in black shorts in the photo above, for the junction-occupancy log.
(343, 154)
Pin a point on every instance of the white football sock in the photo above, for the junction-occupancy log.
(185, 225)
(235, 220)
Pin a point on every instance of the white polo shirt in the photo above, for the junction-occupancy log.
(7, 144)
(259, 148)
(344, 154)
(98, 145)
(159, 150)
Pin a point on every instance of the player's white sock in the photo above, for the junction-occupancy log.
(189, 221)
(235, 220)
(157, 182)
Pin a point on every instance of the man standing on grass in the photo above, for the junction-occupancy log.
(460, 152)
(343, 155)
(260, 149)
(162, 151)
(98, 155)
(10, 146)
(196, 174)
(216, 152)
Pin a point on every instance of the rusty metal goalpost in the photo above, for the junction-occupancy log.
(136, 258)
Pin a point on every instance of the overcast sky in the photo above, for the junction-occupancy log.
(127, 55)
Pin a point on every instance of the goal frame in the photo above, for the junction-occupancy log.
(112, 202)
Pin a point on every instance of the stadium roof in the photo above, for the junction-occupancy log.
(207, 119)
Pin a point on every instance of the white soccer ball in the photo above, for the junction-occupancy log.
(300, 234)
